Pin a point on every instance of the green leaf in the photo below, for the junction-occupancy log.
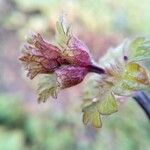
(134, 78)
(96, 120)
(47, 87)
(62, 33)
(92, 111)
(98, 88)
(91, 114)
(139, 49)
(108, 106)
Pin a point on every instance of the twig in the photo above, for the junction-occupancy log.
(144, 101)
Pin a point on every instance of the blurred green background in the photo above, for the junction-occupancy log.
(57, 124)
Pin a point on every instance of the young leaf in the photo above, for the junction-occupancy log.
(139, 49)
(63, 34)
(91, 114)
(47, 86)
(108, 105)
(134, 78)
(134, 71)
(96, 120)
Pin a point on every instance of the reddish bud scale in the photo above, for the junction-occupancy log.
(68, 76)
(40, 56)
(77, 53)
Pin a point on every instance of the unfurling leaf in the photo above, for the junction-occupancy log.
(47, 86)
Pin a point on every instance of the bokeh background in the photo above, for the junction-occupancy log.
(57, 124)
